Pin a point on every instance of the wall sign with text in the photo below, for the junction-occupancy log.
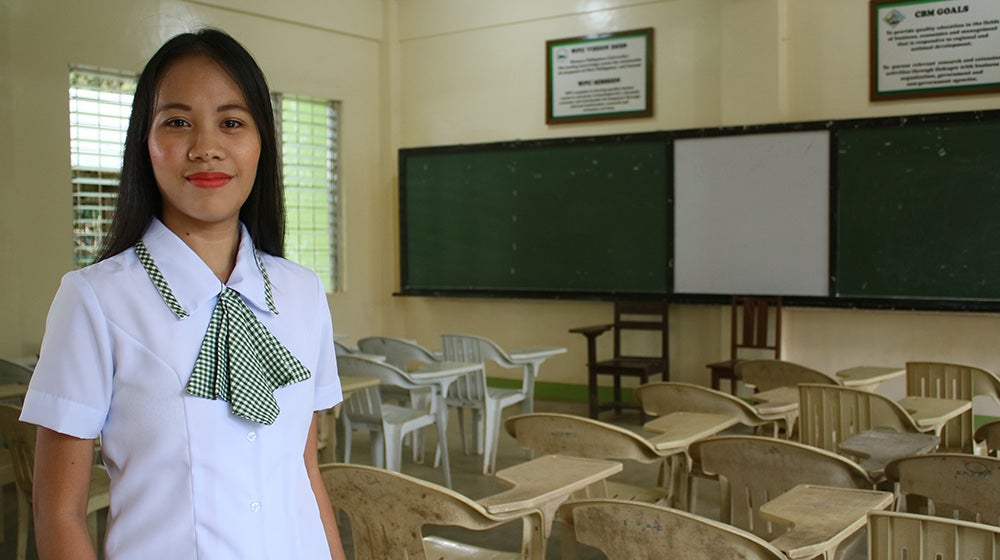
(608, 76)
(934, 47)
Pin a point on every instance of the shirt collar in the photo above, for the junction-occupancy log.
(191, 280)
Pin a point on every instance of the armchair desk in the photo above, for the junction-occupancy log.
(545, 483)
(821, 517)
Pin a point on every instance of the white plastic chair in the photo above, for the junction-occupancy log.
(486, 403)
(404, 354)
(893, 535)
(366, 410)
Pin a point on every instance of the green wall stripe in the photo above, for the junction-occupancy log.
(549, 391)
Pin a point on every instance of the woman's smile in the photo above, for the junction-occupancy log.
(209, 179)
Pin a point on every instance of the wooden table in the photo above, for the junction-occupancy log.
(931, 413)
(875, 448)
(868, 378)
(676, 431)
(545, 483)
(820, 517)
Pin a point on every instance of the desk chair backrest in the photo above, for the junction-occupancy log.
(894, 535)
(478, 349)
(952, 381)
(958, 485)
(755, 324)
(397, 351)
(665, 397)
(389, 510)
(342, 349)
(753, 470)
(636, 317)
(550, 433)
(829, 414)
(387, 373)
(472, 348)
(625, 530)
(19, 439)
(767, 374)
(14, 372)
(640, 349)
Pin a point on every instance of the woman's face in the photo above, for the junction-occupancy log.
(203, 144)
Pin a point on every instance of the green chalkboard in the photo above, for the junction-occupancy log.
(588, 216)
(918, 210)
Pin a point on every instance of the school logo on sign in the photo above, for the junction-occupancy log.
(894, 17)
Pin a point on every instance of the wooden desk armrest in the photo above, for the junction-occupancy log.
(592, 331)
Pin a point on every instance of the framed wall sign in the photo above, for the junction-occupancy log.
(607, 76)
(934, 47)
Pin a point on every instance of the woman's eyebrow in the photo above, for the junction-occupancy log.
(233, 107)
(221, 108)
(173, 106)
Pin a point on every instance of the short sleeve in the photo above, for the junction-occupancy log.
(70, 389)
(328, 391)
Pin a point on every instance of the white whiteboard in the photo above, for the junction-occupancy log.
(751, 214)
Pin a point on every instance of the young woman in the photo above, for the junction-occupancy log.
(196, 353)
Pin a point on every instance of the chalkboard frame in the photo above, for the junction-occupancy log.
(407, 289)
(833, 300)
(899, 302)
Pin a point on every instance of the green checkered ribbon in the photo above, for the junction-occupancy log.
(240, 361)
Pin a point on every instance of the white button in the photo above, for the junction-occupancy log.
(251, 436)
(255, 506)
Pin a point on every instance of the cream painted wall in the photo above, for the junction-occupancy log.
(324, 49)
(475, 73)
(433, 72)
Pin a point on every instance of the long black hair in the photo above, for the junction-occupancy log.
(139, 199)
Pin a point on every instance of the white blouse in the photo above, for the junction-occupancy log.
(188, 478)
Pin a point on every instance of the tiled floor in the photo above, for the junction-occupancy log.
(467, 479)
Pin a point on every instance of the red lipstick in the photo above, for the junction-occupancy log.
(209, 180)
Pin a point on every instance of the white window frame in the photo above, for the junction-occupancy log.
(309, 134)
(100, 103)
